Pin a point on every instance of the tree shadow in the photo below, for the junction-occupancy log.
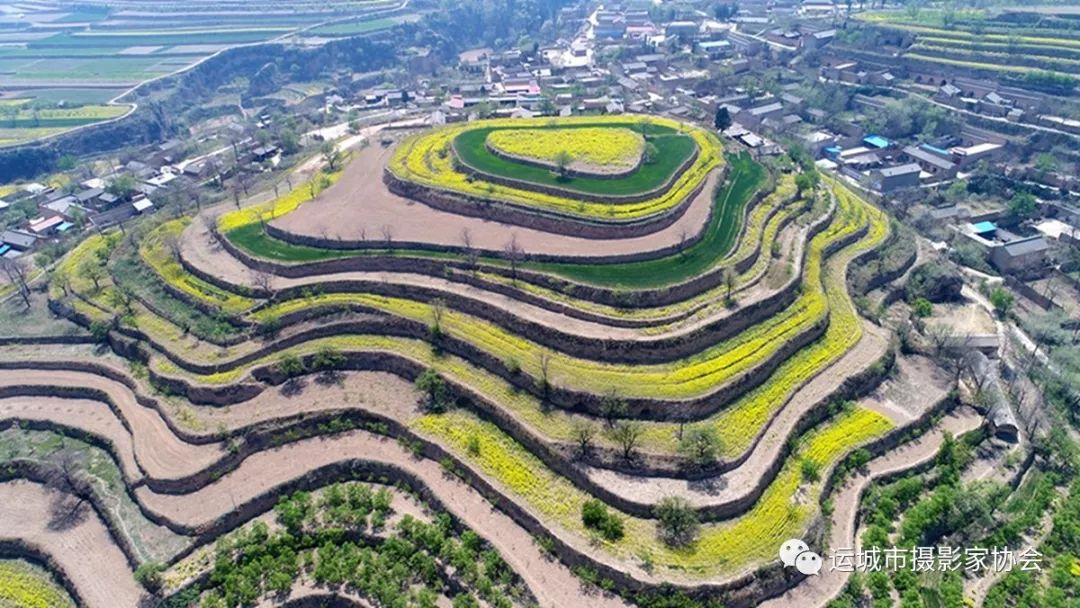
(330, 378)
(66, 511)
(293, 387)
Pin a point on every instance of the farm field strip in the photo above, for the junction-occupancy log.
(509, 463)
(25, 585)
(233, 386)
(738, 424)
(723, 548)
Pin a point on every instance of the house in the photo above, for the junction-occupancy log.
(970, 155)
(716, 49)
(45, 224)
(939, 168)
(18, 240)
(264, 153)
(87, 197)
(794, 103)
(817, 141)
(142, 205)
(62, 205)
(891, 179)
(1020, 255)
(686, 30)
(877, 141)
(754, 116)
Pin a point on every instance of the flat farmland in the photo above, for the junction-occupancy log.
(59, 55)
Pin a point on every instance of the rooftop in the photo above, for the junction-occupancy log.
(900, 170)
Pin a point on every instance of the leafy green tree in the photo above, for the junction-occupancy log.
(327, 358)
(805, 182)
(1002, 300)
(701, 445)
(291, 366)
(677, 521)
(1023, 205)
(122, 186)
(595, 516)
(148, 574)
(922, 308)
(437, 393)
(722, 120)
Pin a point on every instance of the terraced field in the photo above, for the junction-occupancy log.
(1038, 50)
(410, 421)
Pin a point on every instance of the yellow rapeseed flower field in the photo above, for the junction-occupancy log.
(618, 148)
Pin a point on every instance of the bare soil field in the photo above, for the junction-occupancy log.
(359, 206)
(83, 547)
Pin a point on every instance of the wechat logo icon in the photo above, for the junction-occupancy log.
(796, 553)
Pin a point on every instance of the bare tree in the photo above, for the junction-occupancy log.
(545, 374)
(16, 273)
(387, 234)
(94, 272)
(684, 236)
(627, 433)
(172, 245)
(728, 277)
(470, 253)
(243, 179)
(513, 252)
(331, 155)
(264, 282)
(584, 432)
(438, 310)
(72, 491)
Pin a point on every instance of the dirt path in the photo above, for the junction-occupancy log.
(820, 590)
(85, 550)
(552, 583)
(359, 206)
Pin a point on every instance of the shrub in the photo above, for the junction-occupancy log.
(100, 331)
(595, 516)
(700, 445)
(811, 470)
(677, 521)
(148, 575)
(936, 282)
(291, 366)
(435, 389)
(922, 308)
